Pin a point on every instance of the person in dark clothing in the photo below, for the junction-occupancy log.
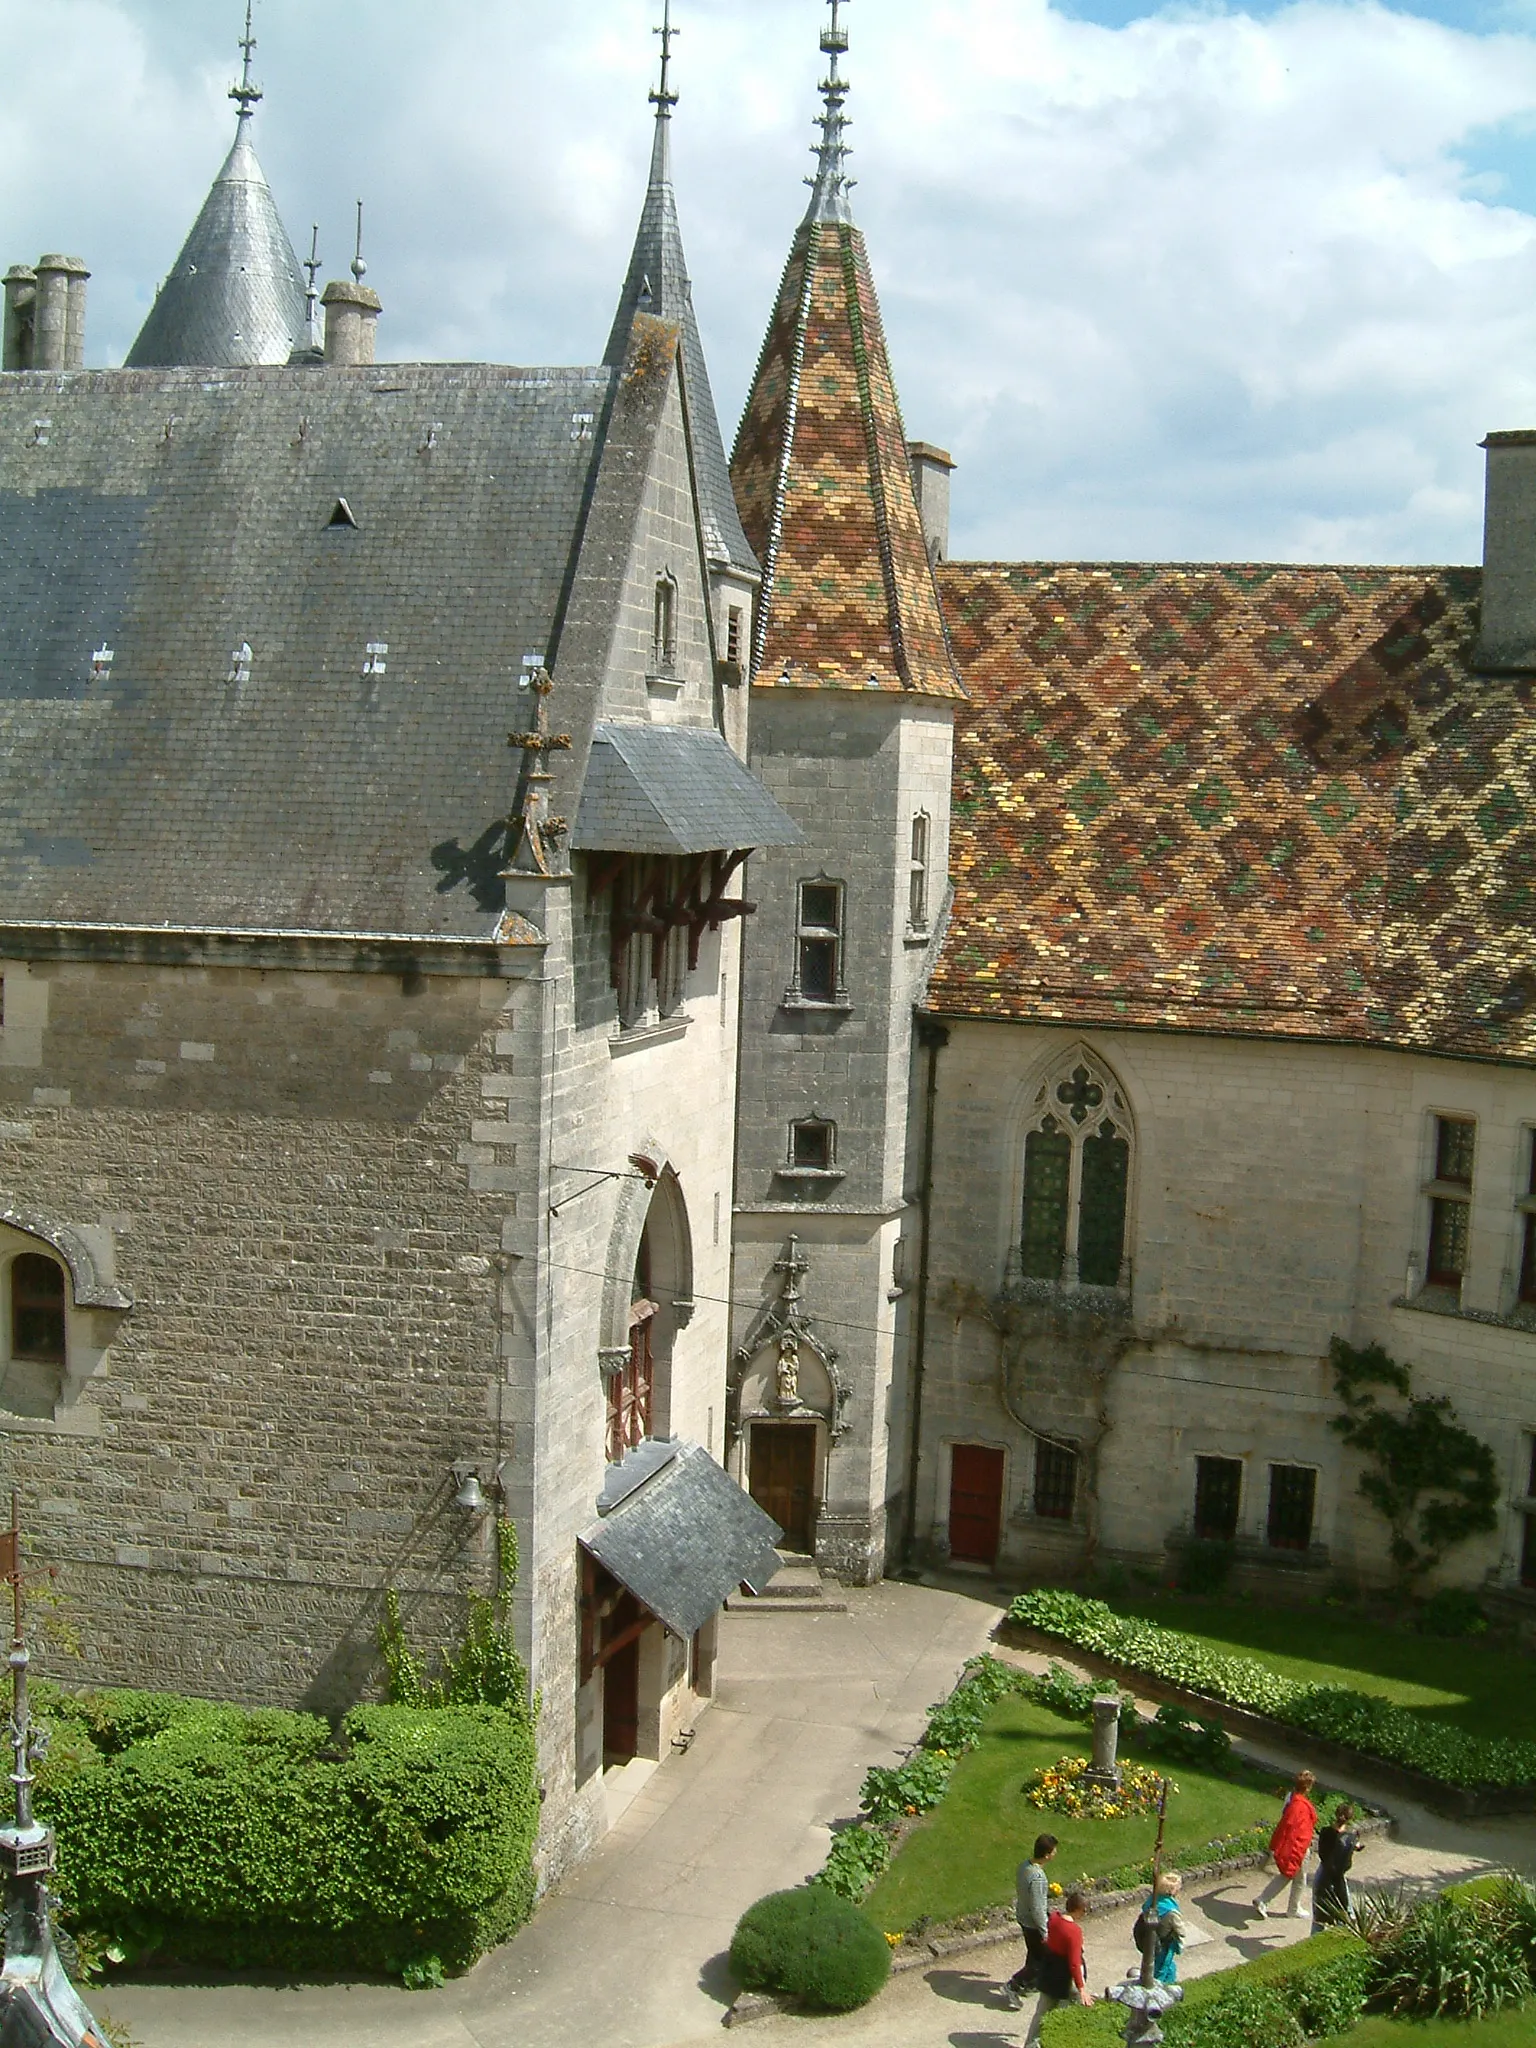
(1336, 1846)
(1032, 1910)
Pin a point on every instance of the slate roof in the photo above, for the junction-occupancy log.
(825, 490)
(235, 295)
(1252, 799)
(673, 789)
(657, 283)
(681, 1534)
(175, 518)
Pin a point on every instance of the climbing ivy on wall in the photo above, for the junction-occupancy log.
(1432, 1481)
(485, 1670)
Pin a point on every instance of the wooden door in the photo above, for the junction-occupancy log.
(621, 1704)
(783, 1477)
(975, 1503)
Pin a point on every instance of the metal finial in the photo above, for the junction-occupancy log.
(247, 94)
(311, 296)
(359, 267)
(664, 99)
(831, 183)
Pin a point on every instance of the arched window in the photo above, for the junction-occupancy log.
(37, 1309)
(638, 1372)
(1077, 1166)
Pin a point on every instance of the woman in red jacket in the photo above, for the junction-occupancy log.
(1289, 1845)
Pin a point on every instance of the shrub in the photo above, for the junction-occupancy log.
(813, 1946)
(1191, 1738)
(1453, 1611)
(1374, 1726)
(1329, 1999)
(1241, 2017)
(915, 1786)
(858, 1855)
(1454, 1958)
(954, 1724)
(1202, 1566)
(259, 1839)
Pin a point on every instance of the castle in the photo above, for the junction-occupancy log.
(548, 973)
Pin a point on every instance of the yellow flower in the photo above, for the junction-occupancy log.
(894, 1939)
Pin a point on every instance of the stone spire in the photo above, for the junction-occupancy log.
(657, 283)
(235, 295)
(821, 471)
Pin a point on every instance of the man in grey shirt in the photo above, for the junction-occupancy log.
(1032, 1909)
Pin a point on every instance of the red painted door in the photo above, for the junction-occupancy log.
(975, 1503)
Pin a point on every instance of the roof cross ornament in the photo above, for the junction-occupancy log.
(664, 99)
(247, 94)
(535, 832)
(831, 184)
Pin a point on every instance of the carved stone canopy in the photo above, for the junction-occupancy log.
(791, 1371)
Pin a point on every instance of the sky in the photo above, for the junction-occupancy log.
(1170, 282)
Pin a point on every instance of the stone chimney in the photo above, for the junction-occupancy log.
(351, 320)
(1506, 640)
(931, 469)
(58, 327)
(20, 305)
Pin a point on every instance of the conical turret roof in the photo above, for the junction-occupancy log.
(236, 294)
(821, 471)
(658, 284)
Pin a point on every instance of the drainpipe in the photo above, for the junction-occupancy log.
(933, 1037)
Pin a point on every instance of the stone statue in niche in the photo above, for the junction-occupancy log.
(788, 1371)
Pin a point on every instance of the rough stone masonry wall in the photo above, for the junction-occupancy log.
(306, 1189)
(1276, 1201)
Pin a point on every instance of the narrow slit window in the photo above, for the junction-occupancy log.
(1528, 1228)
(917, 904)
(1218, 1497)
(1450, 1210)
(1055, 1481)
(37, 1309)
(1292, 1505)
(735, 620)
(664, 644)
(1528, 1552)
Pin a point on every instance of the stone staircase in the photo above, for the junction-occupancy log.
(797, 1588)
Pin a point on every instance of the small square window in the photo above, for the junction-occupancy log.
(1055, 1481)
(811, 1145)
(1292, 1504)
(1218, 1496)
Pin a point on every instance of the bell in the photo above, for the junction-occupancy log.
(469, 1497)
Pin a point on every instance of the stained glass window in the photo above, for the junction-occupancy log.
(1101, 1223)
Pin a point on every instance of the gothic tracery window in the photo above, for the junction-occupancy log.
(1077, 1162)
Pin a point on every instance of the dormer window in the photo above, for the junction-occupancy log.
(664, 627)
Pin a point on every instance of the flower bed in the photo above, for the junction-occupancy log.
(1064, 1787)
(1360, 1721)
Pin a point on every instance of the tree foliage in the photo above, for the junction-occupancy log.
(1432, 1481)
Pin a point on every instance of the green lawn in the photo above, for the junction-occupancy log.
(962, 1857)
(1504, 2030)
(1488, 1691)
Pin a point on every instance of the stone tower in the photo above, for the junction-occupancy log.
(853, 693)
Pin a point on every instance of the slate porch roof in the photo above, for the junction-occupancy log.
(673, 789)
(825, 490)
(356, 777)
(1252, 799)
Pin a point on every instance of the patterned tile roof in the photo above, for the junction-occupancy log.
(1241, 799)
(825, 490)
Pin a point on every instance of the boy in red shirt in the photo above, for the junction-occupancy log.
(1061, 1964)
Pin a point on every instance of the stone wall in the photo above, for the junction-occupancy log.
(1276, 1200)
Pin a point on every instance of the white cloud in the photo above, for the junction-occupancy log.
(1205, 286)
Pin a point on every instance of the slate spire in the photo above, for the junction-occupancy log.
(657, 283)
(235, 295)
(821, 470)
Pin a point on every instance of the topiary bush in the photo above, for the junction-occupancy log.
(201, 1833)
(812, 1946)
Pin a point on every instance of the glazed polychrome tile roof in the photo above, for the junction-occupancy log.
(1241, 799)
(825, 491)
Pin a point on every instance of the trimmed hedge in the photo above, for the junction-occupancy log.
(1359, 1720)
(191, 1832)
(810, 1945)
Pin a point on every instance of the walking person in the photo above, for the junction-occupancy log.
(1169, 1937)
(1336, 1846)
(1032, 1909)
(1061, 1965)
(1289, 1845)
